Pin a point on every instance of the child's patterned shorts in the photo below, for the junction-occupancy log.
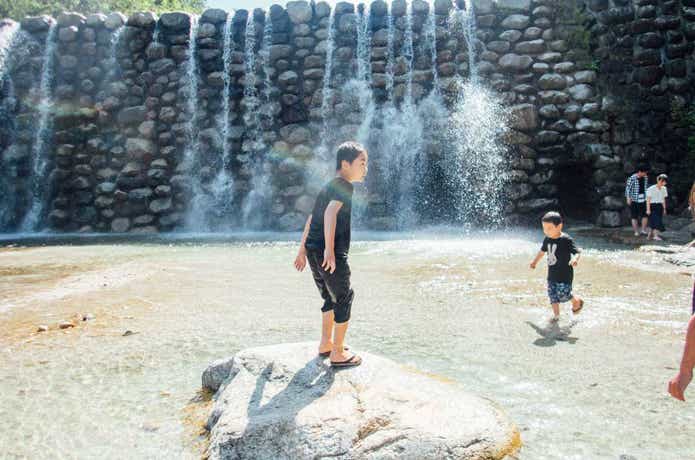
(559, 292)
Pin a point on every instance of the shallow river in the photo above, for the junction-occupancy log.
(466, 308)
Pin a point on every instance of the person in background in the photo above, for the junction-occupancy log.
(656, 207)
(636, 196)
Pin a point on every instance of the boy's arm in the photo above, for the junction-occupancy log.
(305, 235)
(649, 203)
(330, 218)
(677, 386)
(536, 259)
(575, 254)
(300, 260)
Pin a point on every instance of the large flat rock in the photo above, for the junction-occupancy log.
(283, 402)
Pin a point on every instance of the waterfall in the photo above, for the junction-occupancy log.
(44, 129)
(267, 66)
(251, 118)
(364, 44)
(114, 66)
(431, 38)
(7, 41)
(222, 186)
(390, 61)
(469, 29)
(401, 139)
(192, 96)
(155, 34)
(196, 219)
(8, 103)
(463, 21)
(226, 93)
(326, 94)
(475, 166)
(256, 202)
(408, 51)
(363, 85)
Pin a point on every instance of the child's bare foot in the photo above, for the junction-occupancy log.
(325, 348)
(553, 319)
(677, 386)
(577, 305)
(342, 355)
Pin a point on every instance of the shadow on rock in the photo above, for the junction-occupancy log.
(306, 385)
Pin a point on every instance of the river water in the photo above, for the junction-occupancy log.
(468, 308)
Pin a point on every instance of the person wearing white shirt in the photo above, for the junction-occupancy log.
(656, 206)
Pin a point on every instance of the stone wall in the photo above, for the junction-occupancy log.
(590, 86)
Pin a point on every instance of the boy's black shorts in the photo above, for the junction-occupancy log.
(334, 287)
(638, 210)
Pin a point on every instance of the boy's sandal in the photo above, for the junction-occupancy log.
(326, 354)
(352, 362)
(581, 305)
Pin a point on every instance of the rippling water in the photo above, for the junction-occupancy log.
(464, 307)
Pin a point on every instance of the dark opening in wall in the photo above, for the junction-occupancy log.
(575, 191)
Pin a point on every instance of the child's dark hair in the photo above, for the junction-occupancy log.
(643, 167)
(552, 217)
(347, 151)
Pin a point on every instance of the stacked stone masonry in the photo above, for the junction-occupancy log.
(590, 87)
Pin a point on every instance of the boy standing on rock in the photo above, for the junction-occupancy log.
(325, 244)
(563, 256)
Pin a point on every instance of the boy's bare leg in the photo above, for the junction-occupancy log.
(556, 310)
(677, 385)
(338, 353)
(634, 225)
(644, 224)
(327, 321)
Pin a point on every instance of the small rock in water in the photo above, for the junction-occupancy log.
(128, 332)
(88, 316)
(150, 427)
(66, 325)
(42, 328)
(627, 457)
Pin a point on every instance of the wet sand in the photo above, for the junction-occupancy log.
(466, 309)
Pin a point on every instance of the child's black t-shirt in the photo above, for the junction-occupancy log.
(560, 251)
(336, 190)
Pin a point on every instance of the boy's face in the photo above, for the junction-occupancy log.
(357, 170)
(551, 230)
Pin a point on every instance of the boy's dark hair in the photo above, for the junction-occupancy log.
(347, 151)
(643, 167)
(552, 217)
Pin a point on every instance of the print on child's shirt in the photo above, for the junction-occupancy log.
(552, 258)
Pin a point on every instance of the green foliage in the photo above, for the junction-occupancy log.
(18, 9)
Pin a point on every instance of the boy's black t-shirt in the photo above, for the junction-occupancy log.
(336, 190)
(560, 251)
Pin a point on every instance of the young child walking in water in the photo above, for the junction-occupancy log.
(563, 256)
(325, 244)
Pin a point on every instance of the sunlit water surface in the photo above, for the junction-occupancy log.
(465, 307)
